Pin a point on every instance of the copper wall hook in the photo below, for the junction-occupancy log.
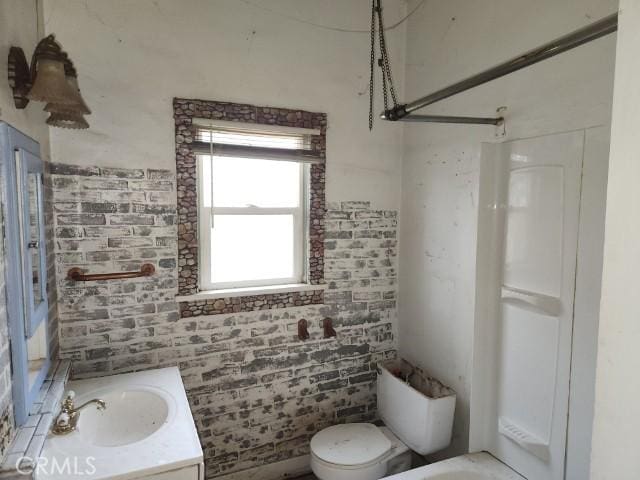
(303, 333)
(329, 331)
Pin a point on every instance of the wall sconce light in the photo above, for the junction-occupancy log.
(51, 78)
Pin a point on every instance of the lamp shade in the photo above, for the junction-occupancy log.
(67, 120)
(78, 106)
(51, 84)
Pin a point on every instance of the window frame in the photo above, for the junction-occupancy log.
(205, 222)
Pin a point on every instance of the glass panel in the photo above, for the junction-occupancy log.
(243, 182)
(252, 247)
(33, 235)
(37, 352)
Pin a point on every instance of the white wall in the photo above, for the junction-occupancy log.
(617, 409)
(19, 28)
(133, 57)
(447, 41)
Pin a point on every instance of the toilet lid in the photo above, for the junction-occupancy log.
(350, 444)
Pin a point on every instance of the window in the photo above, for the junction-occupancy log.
(209, 131)
(252, 204)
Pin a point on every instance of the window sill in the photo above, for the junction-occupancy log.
(248, 291)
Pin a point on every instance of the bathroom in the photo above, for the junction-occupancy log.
(406, 255)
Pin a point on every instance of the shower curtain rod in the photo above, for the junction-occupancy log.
(452, 119)
(567, 42)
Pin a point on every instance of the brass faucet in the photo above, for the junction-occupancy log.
(67, 420)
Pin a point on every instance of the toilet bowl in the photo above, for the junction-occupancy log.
(418, 415)
(358, 451)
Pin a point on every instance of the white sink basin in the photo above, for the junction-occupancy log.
(146, 430)
(131, 416)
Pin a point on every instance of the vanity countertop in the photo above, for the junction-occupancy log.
(147, 428)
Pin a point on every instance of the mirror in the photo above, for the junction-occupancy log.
(31, 223)
(33, 234)
(37, 354)
(37, 350)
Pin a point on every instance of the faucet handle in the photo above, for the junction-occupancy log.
(67, 404)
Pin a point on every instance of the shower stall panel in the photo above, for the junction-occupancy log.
(533, 287)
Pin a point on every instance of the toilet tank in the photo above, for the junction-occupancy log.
(417, 408)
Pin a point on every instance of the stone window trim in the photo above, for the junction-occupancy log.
(185, 111)
(245, 291)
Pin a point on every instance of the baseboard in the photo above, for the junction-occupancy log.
(290, 468)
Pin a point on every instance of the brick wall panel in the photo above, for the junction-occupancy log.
(258, 393)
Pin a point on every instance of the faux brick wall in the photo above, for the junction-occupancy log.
(6, 411)
(258, 393)
(113, 220)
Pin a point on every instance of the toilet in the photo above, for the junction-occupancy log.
(418, 415)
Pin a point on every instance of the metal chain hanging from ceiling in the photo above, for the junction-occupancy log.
(383, 62)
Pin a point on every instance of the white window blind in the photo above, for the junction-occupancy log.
(228, 139)
(253, 139)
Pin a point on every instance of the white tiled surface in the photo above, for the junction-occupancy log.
(30, 437)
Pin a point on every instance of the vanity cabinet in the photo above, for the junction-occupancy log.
(147, 427)
(192, 472)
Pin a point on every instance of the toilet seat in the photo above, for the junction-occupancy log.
(357, 451)
(352, 445)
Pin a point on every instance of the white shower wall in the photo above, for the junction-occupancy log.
(447, 41)
(524, 360)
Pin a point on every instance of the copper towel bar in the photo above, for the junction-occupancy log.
(76, 274)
